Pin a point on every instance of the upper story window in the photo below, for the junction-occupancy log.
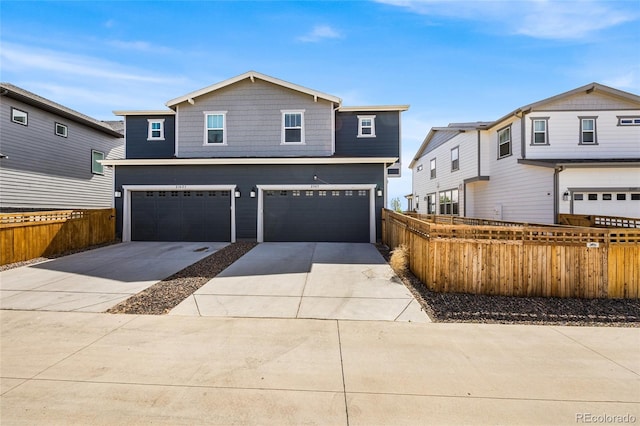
(432, 166)
(455, 160)
(96, 167)
(628, 121)
(504, 142)
(588, 131)
(19, 116)
(61, 130)
(539, 131)
(293, 126)
(366, 126)
(215, 125)
(156, 130)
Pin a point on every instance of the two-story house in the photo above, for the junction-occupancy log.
(577, 152)
(255, 157)
(50, 154)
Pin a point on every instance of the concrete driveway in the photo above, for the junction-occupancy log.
(307, 280)
(95, 280)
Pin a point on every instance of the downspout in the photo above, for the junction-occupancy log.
(556, 192)
(176, 132)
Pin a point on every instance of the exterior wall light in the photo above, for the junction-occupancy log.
(237, 193)
(565, 196)
(252, 194)
(379, 192)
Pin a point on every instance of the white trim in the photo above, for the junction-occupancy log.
(150, 130)
(373, 126)
(333, 129)
(177, 132)
(63, 134)
(96, 151)
(248, 161)
(371, 108)
(206, 128)
(342, 187)
(143, 112)
(284, 128)
(126, 202)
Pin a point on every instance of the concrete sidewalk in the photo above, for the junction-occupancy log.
(84, 368)
(95, 280)
(307, 280)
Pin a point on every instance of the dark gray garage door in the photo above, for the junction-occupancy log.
(181, 216)
(324, 216)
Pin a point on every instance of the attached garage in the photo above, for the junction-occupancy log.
(168, 213)
(322, 213)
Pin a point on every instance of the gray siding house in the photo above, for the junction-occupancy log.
(256, 158)
(50, 155)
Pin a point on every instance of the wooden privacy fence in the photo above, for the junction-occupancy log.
(25, 236)
(518, 260)
(598, 221)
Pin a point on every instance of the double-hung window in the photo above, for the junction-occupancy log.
(432, 167)
(292, 126)
(504, 142)
(215, 128)
(156, 130)
(19, 116)
(366, 126)
(455, 160)
(539, 131)
(588, 135)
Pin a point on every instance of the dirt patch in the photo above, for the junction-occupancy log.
(457, 307)
(165, 295)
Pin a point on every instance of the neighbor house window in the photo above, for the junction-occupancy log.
(61, 130)
(539, 132)
(96, 167)
(156, 130)
(20, 117)
(504, 142)
(292, 127)
(431, 203)
(366, 126)
(588, 135)
(628, 121)
(215, 128)
(455, 161)
(449, 202)
(432, 165)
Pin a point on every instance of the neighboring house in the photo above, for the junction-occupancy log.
(258, 158)
(50, 155)
(577, 152)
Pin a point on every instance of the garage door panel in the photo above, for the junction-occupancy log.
(144, 225)
(327, 216)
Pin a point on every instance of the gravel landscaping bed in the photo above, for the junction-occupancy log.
(165, 295)
(457, 307)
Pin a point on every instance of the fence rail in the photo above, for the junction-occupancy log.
(518, 259)
(25, 236)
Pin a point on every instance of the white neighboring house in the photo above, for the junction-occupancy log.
(577, 152)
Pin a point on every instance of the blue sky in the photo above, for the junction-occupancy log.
(451, 61)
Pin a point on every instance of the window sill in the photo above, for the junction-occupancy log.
(366, 136)
(505, 156)
(155, 139)
(588, 143)
(293, 143)
(540, 144)
(215, 144)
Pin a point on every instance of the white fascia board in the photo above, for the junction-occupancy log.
(145, 112)
(374, 108)
(252, 75)
(246, 161)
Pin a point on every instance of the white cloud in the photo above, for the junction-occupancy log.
(138, 45)
(547, 19)
(319, 33)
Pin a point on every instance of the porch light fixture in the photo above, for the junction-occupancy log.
(252, 194)
(237, 193)
(379, 192)
(565, 196)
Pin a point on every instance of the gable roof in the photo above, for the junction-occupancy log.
(15, 92)
(252, 75)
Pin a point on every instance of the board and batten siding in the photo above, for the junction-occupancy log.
(254, 122)
(613, 141)
(515, 192)
(44, 170)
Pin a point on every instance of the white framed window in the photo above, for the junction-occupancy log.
(504, 142)
(539, 131)
(292, 126)
(432, 168)
(19, 116)
(366, 126)
(96, 167)
(431, 203)
(588, 131)
(455, 159)
(215, 127)
(629, 121)
(61, 129)
(156, 129)
(449, 202)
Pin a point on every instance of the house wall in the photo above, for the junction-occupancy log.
(136, 134)
(247, 177)
(254, 122)
(386, 143)
(44, 170)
